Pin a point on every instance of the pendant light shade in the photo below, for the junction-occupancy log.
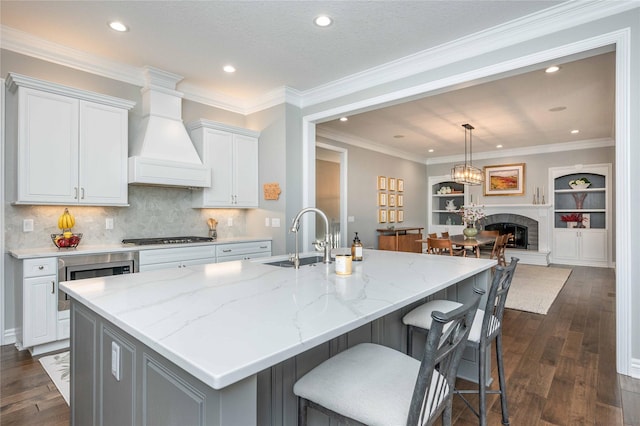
(466, 173)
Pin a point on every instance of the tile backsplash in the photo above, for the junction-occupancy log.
(153, 212)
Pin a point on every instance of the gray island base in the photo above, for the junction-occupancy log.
(223, 344)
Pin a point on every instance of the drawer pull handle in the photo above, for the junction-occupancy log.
(263, 247)
(75, 193)
(53, 287)
(82, 192)
(226, 251)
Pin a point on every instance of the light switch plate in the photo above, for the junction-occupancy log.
(351, 218)
(27, 225)
(266, 221)
(230, 221)
(108, 223)
(275, 222)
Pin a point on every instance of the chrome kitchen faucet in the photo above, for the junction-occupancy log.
(326, 244)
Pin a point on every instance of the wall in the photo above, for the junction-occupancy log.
(364, 166)
(327, 193)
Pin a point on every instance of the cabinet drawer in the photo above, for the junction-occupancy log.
(40, 267)
(150, 257)
(239, 249)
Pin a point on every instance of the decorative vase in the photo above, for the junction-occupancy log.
(579, 198)
(470, 231)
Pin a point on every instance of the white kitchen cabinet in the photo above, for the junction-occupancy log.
(176, 257)
(243, 251)
(232, 154)
(589, 245)
(39, 302)
(68, 146)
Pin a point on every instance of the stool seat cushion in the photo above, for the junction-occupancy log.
(369, 383)
(421, 317)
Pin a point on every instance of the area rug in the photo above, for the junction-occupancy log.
(58, 368)
(534, 288)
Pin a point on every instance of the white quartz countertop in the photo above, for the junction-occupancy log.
(225, 322)
(52, 251)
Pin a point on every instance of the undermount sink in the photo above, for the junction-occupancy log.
(311, 260)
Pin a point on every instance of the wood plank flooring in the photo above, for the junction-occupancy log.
(560, 368)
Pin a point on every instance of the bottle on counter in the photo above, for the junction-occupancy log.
(356, 249)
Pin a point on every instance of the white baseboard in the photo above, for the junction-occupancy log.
(9, 336)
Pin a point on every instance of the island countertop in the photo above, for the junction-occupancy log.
(225, 322)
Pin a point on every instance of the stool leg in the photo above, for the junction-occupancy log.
(302, 412)
(410, 340)
(482, 385)
(501, 378)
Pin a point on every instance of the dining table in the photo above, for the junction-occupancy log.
(473, 243)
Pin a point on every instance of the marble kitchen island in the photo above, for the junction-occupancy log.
(222, 344)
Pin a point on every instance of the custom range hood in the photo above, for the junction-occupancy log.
(162, 153)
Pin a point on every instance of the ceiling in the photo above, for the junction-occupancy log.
(274, 44)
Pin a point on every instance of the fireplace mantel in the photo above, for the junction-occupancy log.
(537, 212)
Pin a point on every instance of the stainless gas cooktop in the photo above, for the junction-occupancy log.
(166, 240)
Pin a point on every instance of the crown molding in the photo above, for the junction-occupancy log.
(562, 16)
(531, 150)
(332, 135)
(553, 19)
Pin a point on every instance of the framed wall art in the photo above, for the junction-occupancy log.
(400, 217)
(382, 198)
(400, 185)
(392, 200)
(391, 184)
(382, 183)
(505, 179)
(392, 215)
(382, 215)
(400, 200)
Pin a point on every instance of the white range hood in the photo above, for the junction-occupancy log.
(162, 153)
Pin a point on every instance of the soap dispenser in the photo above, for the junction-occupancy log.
(356, 249)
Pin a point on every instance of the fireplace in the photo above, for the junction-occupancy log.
(519, 233)
(523, 228)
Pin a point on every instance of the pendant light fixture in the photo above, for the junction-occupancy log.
(466, 173)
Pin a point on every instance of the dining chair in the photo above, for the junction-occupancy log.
(499, 248)
(487, 327)
(373, 384)
(443, 246)
(445, 235)
(433, 235)
(488, 234)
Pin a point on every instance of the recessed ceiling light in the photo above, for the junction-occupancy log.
(344, 119)
(229, 68)
(431, 150)
(323, 21)
(498, 146)
(553, 68)
(118, 26)
(574, 131)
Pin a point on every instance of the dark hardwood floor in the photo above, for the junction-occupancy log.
(560, 367)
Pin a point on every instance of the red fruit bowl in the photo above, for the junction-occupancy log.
(61, 242)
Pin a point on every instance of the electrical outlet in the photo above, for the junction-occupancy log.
(230, 221)
(351, 218)
(275, 222)
(27, 225)
(108, 223)
(266, 222)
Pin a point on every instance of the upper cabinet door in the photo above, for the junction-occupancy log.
(47, 148)
(103, 154)
(246, 171)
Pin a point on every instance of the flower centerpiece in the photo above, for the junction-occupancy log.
(471, 214)
(581, 183)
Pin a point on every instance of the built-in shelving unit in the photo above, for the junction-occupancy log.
(586, 241)
(442, 216)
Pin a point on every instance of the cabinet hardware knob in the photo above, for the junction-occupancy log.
(226, 250)
(41, 267)
(75, 193)
(53, 287)
(82, 192)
